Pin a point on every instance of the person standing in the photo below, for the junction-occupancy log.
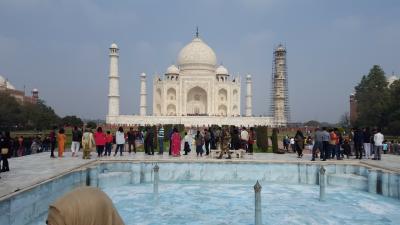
(186, 147)
(235, 139)
(292, 144)
(100, 139)
(149, 141)
(212, 138)
(131, 140)
(378, 142)
(119, 141)
(109, 142)
(5, 147)
(61, 138)
(207, 139)
(20, 151)
(358, 143)
(338, 142)
(244, 139)
(367, 142)
(199, 141)
(160, 136)
(325, 144)
(76, 138)
(87, 143)
(252, 139)
(176, 143)
(317, 143)
(53, 139)
(225, 140)
(299, 143)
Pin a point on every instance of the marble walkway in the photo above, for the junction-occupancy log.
(31, 170)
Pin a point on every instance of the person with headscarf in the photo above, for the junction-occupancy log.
(87, 143)
(83, 206)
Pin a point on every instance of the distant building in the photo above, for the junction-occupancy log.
(353, 101)
(7, 87)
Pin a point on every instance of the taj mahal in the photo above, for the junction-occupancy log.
(199, 92)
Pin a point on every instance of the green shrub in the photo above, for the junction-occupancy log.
(262, 138)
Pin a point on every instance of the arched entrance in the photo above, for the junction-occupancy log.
(196, 101)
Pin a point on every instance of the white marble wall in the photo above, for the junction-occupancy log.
(191, 120)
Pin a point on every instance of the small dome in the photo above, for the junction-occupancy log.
(248, 76)
(197, 53)
(113, 45)
(172, 70)
(35, 90)
(280, 48)
(143, 75)
(221, 70)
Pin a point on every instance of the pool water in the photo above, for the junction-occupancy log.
(233, 203)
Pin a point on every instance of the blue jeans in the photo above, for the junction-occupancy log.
(161, 145)
(337, 151)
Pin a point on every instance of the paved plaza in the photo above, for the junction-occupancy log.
(31, 170)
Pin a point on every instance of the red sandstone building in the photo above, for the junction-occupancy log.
(7, 87)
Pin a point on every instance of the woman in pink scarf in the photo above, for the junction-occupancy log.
(176, 143)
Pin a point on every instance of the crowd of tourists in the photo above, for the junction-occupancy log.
(202, 141)
(332, 144)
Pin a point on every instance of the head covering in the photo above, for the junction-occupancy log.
(84, 206)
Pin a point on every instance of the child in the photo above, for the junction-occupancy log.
(385, 147)
(109, 142)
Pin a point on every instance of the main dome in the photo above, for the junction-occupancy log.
(195, 54)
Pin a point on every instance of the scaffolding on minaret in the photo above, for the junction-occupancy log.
(280, 108)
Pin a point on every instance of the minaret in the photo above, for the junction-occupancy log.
(113, 89)
(143, 94)
(249, 96)
(35, 95)
(280, 106)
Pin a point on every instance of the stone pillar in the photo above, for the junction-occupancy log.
(249, 96)
(113, 77)
(156, 180)
(257, 203)
(372, 181)
(322, 183)
(143, 94)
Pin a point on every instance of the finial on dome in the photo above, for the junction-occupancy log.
(197, 31)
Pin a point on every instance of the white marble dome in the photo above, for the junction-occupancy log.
(113, 45)
(6, 83)
(197, 53)
(221, 70)
(172, 70)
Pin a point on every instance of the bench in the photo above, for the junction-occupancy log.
(239, 153)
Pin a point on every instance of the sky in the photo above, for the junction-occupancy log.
(61, 48)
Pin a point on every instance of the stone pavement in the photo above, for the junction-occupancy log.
(31, 170)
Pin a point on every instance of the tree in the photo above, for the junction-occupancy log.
(393, 126)
(274, 140)
(15, 115)
(312, 123)
(262, 138)
(344, 120)
(91, 125)
(372, 96)
(72, 121)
